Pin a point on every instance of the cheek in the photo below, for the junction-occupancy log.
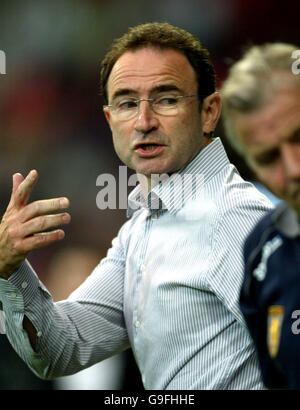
(273, 178)
(119, 138)
(188, 131)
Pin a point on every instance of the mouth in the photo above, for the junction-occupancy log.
(148, 149)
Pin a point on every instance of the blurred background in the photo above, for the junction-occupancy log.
(51, 119)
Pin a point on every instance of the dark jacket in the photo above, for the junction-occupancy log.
(270, 296)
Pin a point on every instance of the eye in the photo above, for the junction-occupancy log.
(295, 138)
(126, 105)
(267, 159)
(166, 101)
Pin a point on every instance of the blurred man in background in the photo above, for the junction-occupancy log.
(261, 108)
(169, 285)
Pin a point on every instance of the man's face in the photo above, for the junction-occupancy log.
(152, 143)
(271, 140)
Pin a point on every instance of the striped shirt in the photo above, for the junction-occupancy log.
(168, 287)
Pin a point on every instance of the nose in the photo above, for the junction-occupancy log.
(291, 160)
(146, 120)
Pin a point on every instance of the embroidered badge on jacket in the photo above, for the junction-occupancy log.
(275, 318)
(268, 249)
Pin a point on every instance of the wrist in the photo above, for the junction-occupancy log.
(6, 272)
(5, 275)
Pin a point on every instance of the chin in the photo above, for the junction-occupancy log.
(152, 170)
(149, 174)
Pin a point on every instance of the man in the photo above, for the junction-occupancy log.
(261, 101)
(169, 285)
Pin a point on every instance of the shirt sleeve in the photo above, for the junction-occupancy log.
(73, 334)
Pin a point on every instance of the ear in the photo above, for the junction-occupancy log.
(107, 115)
(210, 113)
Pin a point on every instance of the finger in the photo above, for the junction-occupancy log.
(43, 207)
(39, 240)
(16, 180)
(43, 223)
(24, 189)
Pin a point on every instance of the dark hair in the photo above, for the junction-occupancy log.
(163, 36)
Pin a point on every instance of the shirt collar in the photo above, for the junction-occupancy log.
(172, 193)
(286, 221)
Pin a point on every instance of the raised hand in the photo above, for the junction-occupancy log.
(23, 225)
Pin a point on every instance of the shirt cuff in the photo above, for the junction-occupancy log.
(18, 296)
(17, 292)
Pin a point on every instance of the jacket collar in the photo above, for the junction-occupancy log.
(286, 221)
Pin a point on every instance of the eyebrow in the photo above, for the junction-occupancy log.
(166, 87)
(157, 89)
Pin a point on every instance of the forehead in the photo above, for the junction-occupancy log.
(143, 69)
(272, 123)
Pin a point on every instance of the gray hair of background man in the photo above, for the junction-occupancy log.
(253, 80)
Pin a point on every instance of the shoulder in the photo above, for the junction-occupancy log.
(240, 204)
(260, 247)
(236, 193)
(263, 231)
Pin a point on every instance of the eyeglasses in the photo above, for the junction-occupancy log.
(128, 107)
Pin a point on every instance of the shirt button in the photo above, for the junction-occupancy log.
(24, 285)
(137, 324)
(39, 334)
(143, 268)
(154, 216)
(13, 294)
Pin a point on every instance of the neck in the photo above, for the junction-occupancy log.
(147, 183)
